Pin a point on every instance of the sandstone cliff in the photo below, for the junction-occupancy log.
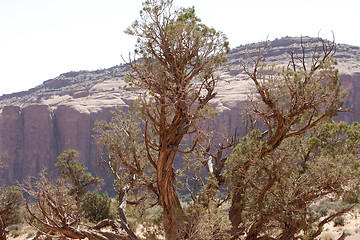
(37, 125)
(33, 136)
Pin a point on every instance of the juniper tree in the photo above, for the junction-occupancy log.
(75, 173)
(176, 56)
(294, 155)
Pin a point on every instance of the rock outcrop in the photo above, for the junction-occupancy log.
(37, 125)
(12, 141)
(32, 137)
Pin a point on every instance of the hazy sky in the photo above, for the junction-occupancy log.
(40, 39)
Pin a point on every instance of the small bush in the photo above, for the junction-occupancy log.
(96, 207)
(323, 211)
(350, 198)
(339, 221)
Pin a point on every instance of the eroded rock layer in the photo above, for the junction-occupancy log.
(37, 125)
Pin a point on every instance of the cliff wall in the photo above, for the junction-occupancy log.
(39, 124)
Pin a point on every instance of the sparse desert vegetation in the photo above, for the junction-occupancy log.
(292, 172)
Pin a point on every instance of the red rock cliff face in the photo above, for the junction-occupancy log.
(74, 130)
(351, 83)
(12, 141)
(35, 135)
(39, 149)
(60, 113)
(32, 137)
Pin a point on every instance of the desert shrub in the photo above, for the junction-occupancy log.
(145, 219)
(339, 221)
(350, 197)
(209, 222)
(323, 211)
(323, 207)
(97, 207)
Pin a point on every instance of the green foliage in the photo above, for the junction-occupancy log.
(282, 185)
(178, 57)
(298, 155)
(97, 207)
(206, 223)
(182, 30)
(75, 172)
(10, 201)
(199, 223)
(123, 151)
(57, 209)
(328, 206)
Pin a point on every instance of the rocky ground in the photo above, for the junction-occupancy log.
(351, 228)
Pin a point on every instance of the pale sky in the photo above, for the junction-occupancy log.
(40, 39)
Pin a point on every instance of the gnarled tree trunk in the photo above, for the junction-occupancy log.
(173, 213)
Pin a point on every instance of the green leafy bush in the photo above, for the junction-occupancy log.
(97, 207)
